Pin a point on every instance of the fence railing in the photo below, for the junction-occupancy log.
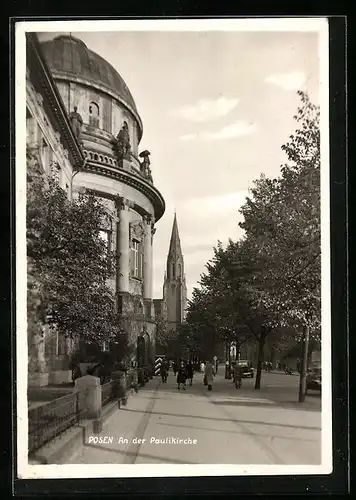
(50, 420)
(108, 392)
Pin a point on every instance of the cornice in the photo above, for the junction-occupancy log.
(131, 180)
(53, 102)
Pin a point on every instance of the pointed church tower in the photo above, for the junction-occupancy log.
(174, 288)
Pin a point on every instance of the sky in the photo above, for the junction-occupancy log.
(216, 108)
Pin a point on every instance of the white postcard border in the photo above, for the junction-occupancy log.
(29, 471)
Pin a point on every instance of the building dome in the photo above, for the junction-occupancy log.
(70, 56)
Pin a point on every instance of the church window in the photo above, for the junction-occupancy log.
(94, 114)
(106, 346)
(45, 154)
(61, 345)
(179, 270)
(106, 237)
(173, 271)
(136, 259)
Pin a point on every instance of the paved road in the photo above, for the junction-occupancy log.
(226, 426)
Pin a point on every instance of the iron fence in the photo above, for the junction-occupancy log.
(48, 421)
(108, 392)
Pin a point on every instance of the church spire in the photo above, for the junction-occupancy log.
(175, 256)
(174, 246)
(174, 288)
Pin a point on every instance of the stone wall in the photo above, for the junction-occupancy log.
(41, 135)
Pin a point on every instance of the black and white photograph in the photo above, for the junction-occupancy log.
(172, 248)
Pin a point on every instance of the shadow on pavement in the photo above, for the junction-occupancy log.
(210, 429)
(269, 403)
(282, 396)
(182, 415)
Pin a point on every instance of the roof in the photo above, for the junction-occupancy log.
(41, 78)
(174, 246)
(70, 56)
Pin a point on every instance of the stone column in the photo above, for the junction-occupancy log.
(147, 268)
(123, 244)
(89, 398)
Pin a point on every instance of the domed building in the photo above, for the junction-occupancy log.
(107, 127)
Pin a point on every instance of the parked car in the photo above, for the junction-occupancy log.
(247, 368)
(313, 382)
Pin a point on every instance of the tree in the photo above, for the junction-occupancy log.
(270, 279)
(69, 263)
(213, 312)
(282, 221)
(166, 338)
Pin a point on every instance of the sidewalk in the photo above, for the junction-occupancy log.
(279, 393)
(163, 425)
(120, 428)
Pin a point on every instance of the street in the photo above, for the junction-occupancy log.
(225, 426)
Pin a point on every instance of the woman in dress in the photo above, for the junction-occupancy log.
(182, 376)
(209, 375)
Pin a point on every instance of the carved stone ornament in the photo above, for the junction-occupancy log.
(122, 146)
(147, 219)
(137, 230)
(124, 203)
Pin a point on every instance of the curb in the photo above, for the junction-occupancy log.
(60, 449)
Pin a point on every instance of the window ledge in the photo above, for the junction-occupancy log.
(136, 278)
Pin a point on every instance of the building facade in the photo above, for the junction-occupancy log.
(82, 118)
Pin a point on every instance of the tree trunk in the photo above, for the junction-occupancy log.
(261, 345)
(238, 351)
(304, 365)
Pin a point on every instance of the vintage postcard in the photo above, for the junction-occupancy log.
(173, 253)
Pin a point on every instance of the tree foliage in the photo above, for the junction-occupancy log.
(166, 339)
(68, 262)
(269, 282)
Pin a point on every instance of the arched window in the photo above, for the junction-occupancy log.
(179, 270)
(173, 271)
(94, 113)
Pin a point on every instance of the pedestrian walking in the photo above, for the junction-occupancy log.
(181, 376)
(175, 368)
(209, 375)
(190, 373)
(163, 371)
(202, 367)
(237, 376)
(76, 372)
